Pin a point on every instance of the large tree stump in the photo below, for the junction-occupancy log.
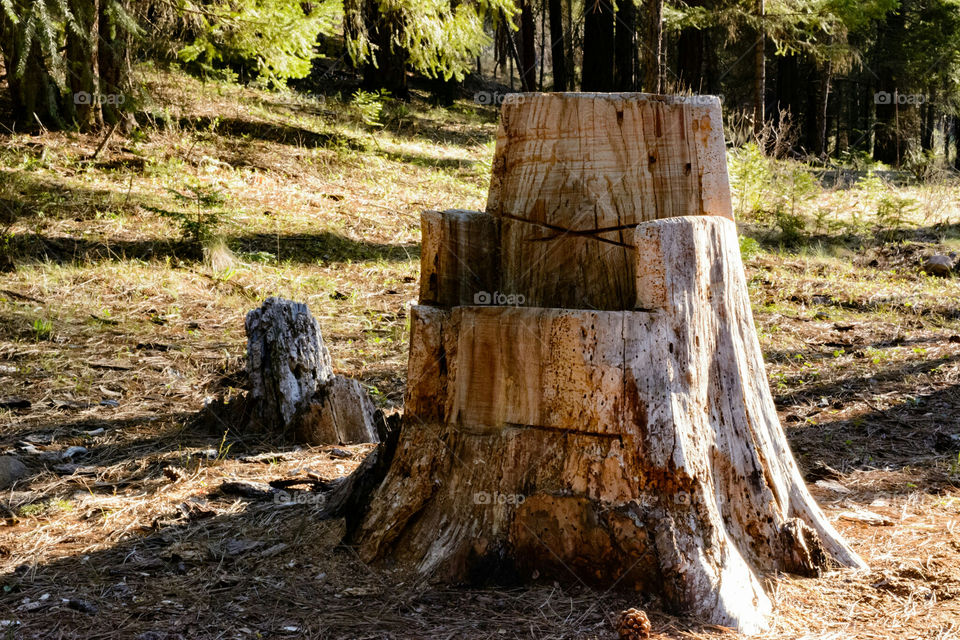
(293, 390)
(618, 430)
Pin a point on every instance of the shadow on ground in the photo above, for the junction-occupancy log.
(322, 247)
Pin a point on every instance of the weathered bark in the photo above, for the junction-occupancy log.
(293, 390)
(459, 257)
(626, 439)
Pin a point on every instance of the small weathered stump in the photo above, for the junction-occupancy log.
(293, 390)
(586, 395)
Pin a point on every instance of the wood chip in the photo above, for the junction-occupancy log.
(866, 517)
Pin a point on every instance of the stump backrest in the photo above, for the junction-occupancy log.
(573, 175)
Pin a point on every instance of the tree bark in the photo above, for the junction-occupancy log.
(293, 390)
(690, 53)
(759, 73)
(824, 78)
(81, 59)
(625, 46)
(927, 123)
(557, 46)
(841, 142)
(891, 42)
(528, 47)
(598, 46)
(388, 69)
(36, 98)
(956, 144)
(653, 66)
(114, 68)
(624, 436)
(570, 31)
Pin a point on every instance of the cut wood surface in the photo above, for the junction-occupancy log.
(459, 256)
(613, 424)
(561, 417)
(596, 161)
(573, 172)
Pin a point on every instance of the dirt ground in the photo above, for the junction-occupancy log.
(134, 538)
(111, 339)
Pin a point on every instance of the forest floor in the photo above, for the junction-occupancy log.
(114, 330)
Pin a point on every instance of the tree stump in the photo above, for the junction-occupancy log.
(293, 390)
(586, 395)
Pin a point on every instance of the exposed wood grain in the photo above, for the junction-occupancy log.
(293, 390)
(592, 161)
(655, 427)
(547, 368)
(572, 174)
(615, 427)
(459, 256)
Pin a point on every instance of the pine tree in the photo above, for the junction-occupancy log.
(437, 38)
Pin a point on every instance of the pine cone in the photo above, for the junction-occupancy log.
(633, 625)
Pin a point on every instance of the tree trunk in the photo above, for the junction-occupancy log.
(787, 88)
(823, 102)
(956, 144)
(543, 42)
(840, 132)
(759, 73)
(388, 70)
(945, 141)
(690, 53)
(82, 68)
(927, 123)
(892, 43)
(625, 46)
(598, 46)
(586, 396)
(36, 98)
(293, 390)
(653, 67)
(114, 66)
(557, 47)
(528, 47)
(570, 33)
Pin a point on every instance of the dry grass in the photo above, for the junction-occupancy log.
(115, 330)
